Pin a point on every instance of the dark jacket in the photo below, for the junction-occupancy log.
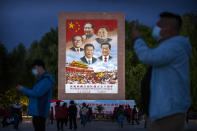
(59, 112)
(101, 58)
(72, 111)
(73, 49)
(40, 96)
(85, 61)
(145, 91)
(100, 41)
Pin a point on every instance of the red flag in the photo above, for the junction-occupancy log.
(75, 27)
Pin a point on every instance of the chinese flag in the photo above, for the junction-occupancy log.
(76, 27)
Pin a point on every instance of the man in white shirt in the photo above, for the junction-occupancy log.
(105, 50)
(88, 52)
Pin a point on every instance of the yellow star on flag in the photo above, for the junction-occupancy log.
(71, 25)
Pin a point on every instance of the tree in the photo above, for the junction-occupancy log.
(135, 70)
(47, 50)
(17, 66)
(189, 30)
(3, 68)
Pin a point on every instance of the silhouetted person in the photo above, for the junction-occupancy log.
(7, 118)
(120, 114)
(59, 115)
(65, 113)
(16, 112)
(89, 114)
(39, 95)
(72, 114)
(134, 115)
(51, 115)
(128, 113)
(84, 111)
(170, 81)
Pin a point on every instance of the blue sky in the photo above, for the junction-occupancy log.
(28, 20)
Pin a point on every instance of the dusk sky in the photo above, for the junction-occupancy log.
(28, 20)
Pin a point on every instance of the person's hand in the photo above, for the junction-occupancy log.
(135, 33)
(19, 87)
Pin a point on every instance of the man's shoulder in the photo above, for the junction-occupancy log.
(17, 106)
(72, 48)
(100, 57)
(109, 39)
(72, 107)
(94, 59)
(84, 36)
(81, 49)
(48, 77)
(94, 36)
(82, 58)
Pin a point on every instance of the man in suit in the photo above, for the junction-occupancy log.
(105, 50)
(89, 31)
(89, 52)
(103, 35)
(77, 43)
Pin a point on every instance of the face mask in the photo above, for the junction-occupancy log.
(156, 33)
(35, 72)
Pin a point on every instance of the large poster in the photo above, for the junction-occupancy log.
(91, 62)
(91, 56)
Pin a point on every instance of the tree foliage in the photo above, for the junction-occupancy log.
(189, 29)
(3, 68)
(135, 70)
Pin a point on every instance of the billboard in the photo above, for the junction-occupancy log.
(90, 48)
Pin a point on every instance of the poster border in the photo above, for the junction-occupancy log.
(120, 17)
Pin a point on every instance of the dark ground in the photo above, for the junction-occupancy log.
(26, 125)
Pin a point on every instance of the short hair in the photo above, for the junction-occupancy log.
(64, 104)
(90, 24)
(105, 27)
(57, 103)
(38, 62)
(88, 44)
(106, 44)
(172, 16)
(84, 104)
(73, 38)
(72, 102)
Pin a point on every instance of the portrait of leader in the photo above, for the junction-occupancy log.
(88, 54)
(77, 42)
(89, 31)
(102, 35)
(105, 52)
